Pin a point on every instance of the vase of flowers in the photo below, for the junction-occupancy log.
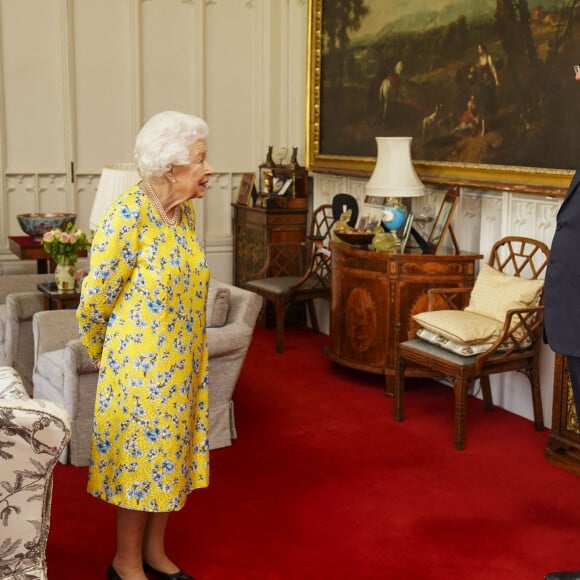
(64, 246)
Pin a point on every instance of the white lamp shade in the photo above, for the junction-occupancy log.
(394, 174)
(115, 179)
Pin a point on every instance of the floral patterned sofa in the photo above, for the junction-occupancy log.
(33, 434)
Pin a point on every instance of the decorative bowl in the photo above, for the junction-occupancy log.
(356, 238)
(36, 224)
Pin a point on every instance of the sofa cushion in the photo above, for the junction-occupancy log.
(218, 306)
(51, 365)
(494, 293)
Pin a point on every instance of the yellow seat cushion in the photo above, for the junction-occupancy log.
(460, 326)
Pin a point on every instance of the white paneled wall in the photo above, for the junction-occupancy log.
(78, 79)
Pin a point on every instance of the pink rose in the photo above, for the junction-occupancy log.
(48, 236)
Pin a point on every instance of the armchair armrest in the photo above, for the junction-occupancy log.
(18, 341)
(521, 332)
(79, 357)
(23, 305)
(318, 272)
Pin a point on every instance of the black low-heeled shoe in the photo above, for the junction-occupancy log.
(112, 573)
(179, 575)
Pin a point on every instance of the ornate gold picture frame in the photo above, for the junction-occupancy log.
(467, 128)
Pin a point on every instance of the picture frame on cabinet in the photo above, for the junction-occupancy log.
(285, 187)
(465, 130)
(245, 188)
(442, 223)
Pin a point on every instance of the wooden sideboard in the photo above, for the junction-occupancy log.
(564, 440)
(375, 294)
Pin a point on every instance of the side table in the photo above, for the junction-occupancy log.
(27, 248)
(60, 299)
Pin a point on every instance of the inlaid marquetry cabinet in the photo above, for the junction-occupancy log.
(375, 294)
(564, 441)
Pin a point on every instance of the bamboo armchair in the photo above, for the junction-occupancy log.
(515, 347)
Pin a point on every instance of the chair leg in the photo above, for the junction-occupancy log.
(280, 314)
(534, 377)
(312, 314)
(461, 388)
(399, 390)
(486, 392)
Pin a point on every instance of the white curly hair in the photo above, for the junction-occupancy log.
(166, 139)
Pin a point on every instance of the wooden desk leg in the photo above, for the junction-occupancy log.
(47, 305)
(390, 383)
(398, 409)
(42, 266)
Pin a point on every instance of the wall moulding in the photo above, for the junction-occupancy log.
(515, 138)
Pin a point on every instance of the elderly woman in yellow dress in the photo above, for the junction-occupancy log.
(142, 319)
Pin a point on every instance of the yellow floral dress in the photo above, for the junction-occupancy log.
(142, 314)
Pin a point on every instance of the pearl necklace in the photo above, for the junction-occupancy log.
(170, 221)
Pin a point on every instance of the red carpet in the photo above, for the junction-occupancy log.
(322, 483)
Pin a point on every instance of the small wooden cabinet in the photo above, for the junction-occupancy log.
(254, 228)
(375, 294)
(564, 441)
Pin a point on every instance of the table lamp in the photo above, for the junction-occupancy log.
(394, 177)
(115, 179)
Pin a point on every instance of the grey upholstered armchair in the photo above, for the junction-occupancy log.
(19, 300)
(63, 372)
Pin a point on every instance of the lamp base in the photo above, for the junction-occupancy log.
(397, 220)
(394, 214)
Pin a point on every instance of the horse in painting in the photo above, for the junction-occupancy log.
(389, 89)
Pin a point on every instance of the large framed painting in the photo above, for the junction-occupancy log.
(486, 88)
